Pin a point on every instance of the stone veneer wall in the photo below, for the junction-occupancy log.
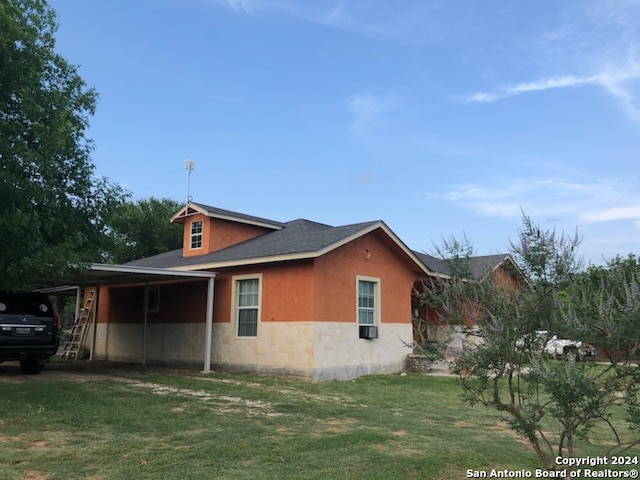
(315, 351)
(166, 343)
(456, 338)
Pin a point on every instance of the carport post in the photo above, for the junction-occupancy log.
(208, 327)
(94, 332)
(78, 304)
(144, 327)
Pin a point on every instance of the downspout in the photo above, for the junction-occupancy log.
(208, 326)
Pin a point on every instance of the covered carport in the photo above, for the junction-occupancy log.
(99, 275)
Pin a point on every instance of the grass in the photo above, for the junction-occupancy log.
(155, 423)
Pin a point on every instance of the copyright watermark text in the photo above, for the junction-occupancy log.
(573, 467)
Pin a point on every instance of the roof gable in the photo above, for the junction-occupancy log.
(479, 266)
(193, 207)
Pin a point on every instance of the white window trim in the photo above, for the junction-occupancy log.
(377, 307)
(234, 302)
(194, 235)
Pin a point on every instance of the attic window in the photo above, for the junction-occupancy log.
(196, 234)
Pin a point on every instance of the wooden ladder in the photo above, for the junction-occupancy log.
(74, 346)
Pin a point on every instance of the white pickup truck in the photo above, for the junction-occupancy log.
(560, 347)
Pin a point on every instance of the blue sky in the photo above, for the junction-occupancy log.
(441, 118)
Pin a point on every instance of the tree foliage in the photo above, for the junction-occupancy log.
(555, 404)
(52, 205)
(141, 229)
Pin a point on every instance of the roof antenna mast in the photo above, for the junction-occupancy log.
(189, 165)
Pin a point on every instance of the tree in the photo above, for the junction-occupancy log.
(141, 229)
(52, 207)
(556, 405)
(608, 299)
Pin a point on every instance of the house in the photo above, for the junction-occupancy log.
(504, 272)
(299, 298)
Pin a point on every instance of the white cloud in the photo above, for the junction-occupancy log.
(588, 44)
(598, 201)
(411, 21)
(498, 209)
(520, 88)
(366, 109)
(610, 214)
(246, 6)
(617, 83)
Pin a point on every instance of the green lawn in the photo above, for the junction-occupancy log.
(71, 423)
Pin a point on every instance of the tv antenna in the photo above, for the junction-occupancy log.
(189, 165)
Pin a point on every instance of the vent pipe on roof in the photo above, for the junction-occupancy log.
(189, 165)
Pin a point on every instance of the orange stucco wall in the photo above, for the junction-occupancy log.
(287, 292)
(183, 302)
(104, 300)
(324, 289)
(370, 256)
(216, 234)
(321, 289)
(506, 276)
(222, 233)
(186, 235)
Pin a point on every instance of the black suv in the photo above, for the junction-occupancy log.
(28, 330)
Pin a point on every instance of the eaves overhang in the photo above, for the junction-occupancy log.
(108, 275)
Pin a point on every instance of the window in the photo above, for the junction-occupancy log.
(196, 234)
(368, 301)
(153, 299)
(247, 295)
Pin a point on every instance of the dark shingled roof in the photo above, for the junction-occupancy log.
(296, 236)
(219, 212)
(479, 266)
(434, 264)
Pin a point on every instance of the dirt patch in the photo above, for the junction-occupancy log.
(464, 423)
(396, 449)
(223, 403)
(230, 381)
(284, 391)
(338, 425)
(94, 371)
(35, 475)
(83, 371)
(502, 427)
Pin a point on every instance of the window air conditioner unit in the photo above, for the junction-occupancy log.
(368, 331)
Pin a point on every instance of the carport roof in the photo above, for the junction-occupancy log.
(101, 274)
(106, 274)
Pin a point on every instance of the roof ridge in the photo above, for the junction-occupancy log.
(348, 225)
(237, 215)
(306, 220)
